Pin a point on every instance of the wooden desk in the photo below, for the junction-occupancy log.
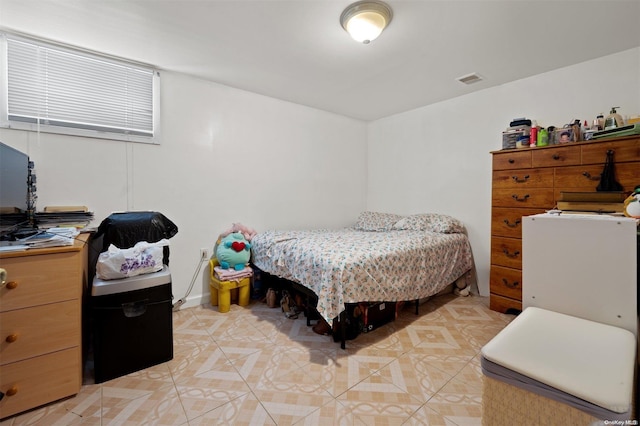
(41, 325)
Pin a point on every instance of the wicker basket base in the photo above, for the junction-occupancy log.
(503, 404)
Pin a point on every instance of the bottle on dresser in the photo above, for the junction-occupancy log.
(533, 135)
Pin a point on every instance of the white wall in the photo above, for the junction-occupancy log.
(232, 156)
(436, 158)
(226, 156)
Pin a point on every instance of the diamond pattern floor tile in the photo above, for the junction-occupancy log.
(254, 366)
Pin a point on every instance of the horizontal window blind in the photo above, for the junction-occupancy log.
(54, 86)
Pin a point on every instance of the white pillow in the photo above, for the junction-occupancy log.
(434, 222)
(376, 221)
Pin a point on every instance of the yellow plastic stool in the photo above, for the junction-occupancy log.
(221, 290)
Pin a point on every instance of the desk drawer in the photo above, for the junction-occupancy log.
(40, 380)
(55, 278)
(39, 330)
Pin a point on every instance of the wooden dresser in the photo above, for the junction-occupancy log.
(529, 181)
(40, 325)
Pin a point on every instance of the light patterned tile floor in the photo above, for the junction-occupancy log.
(252, 366)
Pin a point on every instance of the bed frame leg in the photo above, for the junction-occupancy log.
(417, 305)
(343, 328)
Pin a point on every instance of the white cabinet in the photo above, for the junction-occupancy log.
(582, 265)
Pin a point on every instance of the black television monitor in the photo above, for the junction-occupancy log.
(14, 189)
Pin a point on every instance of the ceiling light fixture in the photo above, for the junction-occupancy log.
(365, 20)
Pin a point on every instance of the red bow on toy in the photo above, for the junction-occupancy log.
(237, 246)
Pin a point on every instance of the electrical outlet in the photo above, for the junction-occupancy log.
(204, 254)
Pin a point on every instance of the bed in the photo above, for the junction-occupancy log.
(383, 257)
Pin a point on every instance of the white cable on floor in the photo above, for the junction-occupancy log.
(183, 300)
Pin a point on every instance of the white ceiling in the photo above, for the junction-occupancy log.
(297, 51)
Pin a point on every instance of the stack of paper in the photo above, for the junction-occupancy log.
(53, 237)
(68, 216)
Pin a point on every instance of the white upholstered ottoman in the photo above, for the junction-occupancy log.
(551, 368)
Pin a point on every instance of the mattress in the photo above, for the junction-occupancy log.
(350, 265)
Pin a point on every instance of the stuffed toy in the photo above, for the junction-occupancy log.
(248, 232)
(233, 251)
(632, 204)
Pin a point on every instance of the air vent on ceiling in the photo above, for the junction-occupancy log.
(469, 78)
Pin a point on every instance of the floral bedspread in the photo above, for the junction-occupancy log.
(350, 265)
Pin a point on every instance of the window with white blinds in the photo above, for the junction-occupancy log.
(50, 88)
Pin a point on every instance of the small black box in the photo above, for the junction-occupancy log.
(376, 314)
(132, 324)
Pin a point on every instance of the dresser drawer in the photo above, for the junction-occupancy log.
(556, 156)
(506, 282)
(507, 222)
(587, 177)
(506, 252)
(31, 332)
(512, 160)
(523, 197)
(40, 380)
(627, 150)
(41, 279)
(504, 304)
(522, 178)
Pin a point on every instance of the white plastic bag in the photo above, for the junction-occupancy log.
(143, 258)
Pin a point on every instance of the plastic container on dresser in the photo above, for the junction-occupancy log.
(529, 181)
(40, 325)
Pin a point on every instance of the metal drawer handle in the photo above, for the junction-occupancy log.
(511, 255)
(512, 225)
(11, 338)
(515, 197)
(514, 284)
(518, 180)
(511, 161)
(588, 176)
(3, 276)
(555, 156)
